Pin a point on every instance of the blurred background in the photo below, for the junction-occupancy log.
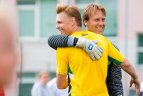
(37, 22)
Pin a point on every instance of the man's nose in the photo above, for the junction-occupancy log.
(57, 26)
(101, 22)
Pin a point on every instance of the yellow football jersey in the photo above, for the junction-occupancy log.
(89, 77)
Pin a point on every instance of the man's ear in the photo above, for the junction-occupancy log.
(85, 23)
(73, 20)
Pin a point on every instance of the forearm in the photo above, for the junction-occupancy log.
(56, 41)
(62, 82)
(90, 47)
(127, 67)
(113, 80)
(64, 86)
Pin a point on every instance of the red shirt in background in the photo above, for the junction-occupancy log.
(1, 92)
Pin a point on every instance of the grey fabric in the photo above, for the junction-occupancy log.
(70, 41)
(58, 41)
(113, 81)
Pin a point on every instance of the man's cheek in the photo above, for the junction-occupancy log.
(62, 26)
(94, 23)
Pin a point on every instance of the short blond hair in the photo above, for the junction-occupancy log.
(92, 9)
(71, 11)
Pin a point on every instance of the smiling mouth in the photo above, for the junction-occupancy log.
(100, 28)
(60, 29)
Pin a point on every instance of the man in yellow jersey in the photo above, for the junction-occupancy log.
(89, 77)
(94, 21)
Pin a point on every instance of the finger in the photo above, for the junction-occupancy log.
(138, 91)
(96, 55)
(137, 87)
(97, 50)
(92, 57)
(100, 49)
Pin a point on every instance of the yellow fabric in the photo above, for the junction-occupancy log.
(89, 77)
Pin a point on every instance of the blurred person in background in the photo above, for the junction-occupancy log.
(40, 87)
(9, 49)
(57, 92)
(8, 54)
